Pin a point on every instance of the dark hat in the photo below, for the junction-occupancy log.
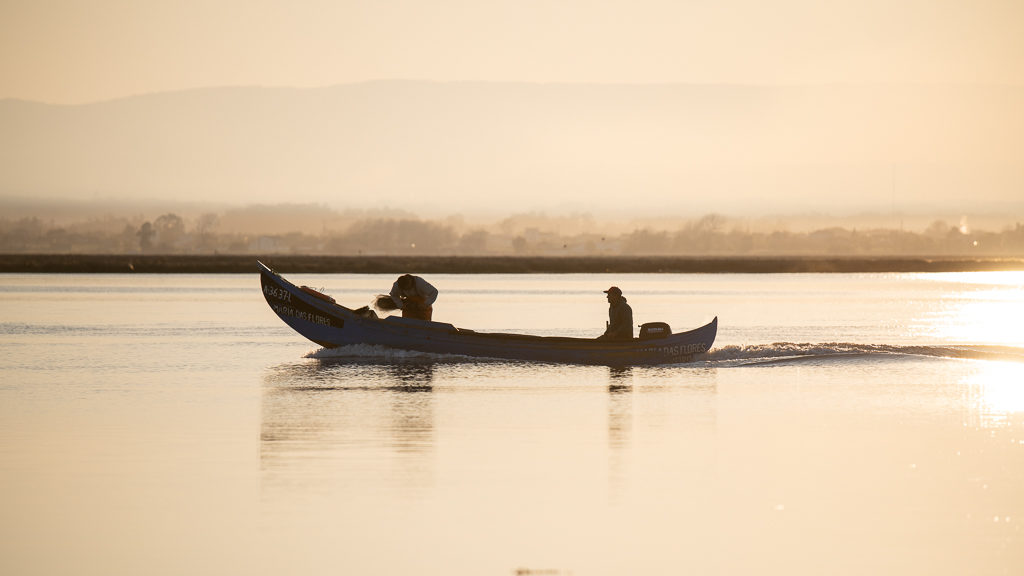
(613, 290)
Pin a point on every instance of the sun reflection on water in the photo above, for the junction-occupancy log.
(981, 308)
(997, 392)
(1010, 279)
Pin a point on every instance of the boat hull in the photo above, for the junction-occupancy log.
(331, 325)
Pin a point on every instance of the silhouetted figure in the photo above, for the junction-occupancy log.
(415, 296)
(620, 317)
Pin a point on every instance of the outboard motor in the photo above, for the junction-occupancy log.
(652, 330)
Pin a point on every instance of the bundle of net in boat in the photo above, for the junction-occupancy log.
(384, 304)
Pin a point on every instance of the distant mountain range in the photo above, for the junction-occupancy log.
(475, 146)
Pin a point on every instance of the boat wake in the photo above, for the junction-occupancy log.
(787, 352)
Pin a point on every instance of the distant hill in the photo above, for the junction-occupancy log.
(513, 147)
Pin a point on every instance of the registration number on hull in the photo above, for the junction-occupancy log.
(678, 350)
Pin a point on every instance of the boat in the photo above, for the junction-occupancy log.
(321, 319)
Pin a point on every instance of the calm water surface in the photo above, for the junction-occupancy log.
(842, 424)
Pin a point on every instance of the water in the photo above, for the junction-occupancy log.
(842, 424)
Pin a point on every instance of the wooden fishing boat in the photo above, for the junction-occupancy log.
(320, 319)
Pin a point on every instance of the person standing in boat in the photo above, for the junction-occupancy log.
(620, 317)
(415, 296)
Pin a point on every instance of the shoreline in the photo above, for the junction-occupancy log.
(289, 264)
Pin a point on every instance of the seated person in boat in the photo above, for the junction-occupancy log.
(415, 296)
(620, 317)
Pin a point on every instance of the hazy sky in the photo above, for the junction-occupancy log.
(945, 146)
(76, 51)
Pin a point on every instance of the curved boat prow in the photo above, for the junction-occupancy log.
(317, 318)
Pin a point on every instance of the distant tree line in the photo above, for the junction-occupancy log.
(712, 235)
